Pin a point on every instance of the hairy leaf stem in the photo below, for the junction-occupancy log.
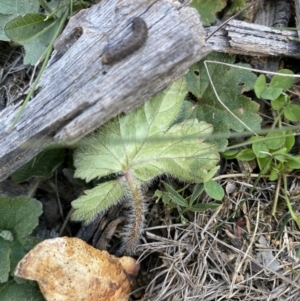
(136, 218)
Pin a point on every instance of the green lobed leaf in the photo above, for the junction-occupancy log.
(144, 144)
(214, 190)
(97, 199)
(43, 165)
(183, 155)
(112, 148)
(19, 215)
(11, 252)
(230, 83)
(5, 260)
(221, 131)
(12, 291)
(208, 9)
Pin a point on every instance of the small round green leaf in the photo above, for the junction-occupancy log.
(260, 85)
(271, 93)
(260, 150)
(246, 155)
(230, 154)
(282, 82)
(280, 102)
(289, 140)
(293, 162)
(275, 140)
(292, 112)
(214, 190)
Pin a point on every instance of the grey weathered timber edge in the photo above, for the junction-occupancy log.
(238, 37)
(77, 94)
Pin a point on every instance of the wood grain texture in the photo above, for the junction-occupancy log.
(240, 37)
(77, 93)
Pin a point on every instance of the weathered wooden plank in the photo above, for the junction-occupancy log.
(239, 37)
(78, 93)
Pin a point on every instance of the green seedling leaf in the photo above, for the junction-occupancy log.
(198, 189)
(271, 93)
(275, 140)
(214, 190)
(13, 8)
(175, 196)
(260, 85)
(209, 175)
(246, 155)
(18, 218)
(229, 86)
(12, 291)
(200, 207)
(162, 195)
(43, 165)
(282, 82)
(208, 9)
(292, 112)
(144, 145)
(280, 102)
